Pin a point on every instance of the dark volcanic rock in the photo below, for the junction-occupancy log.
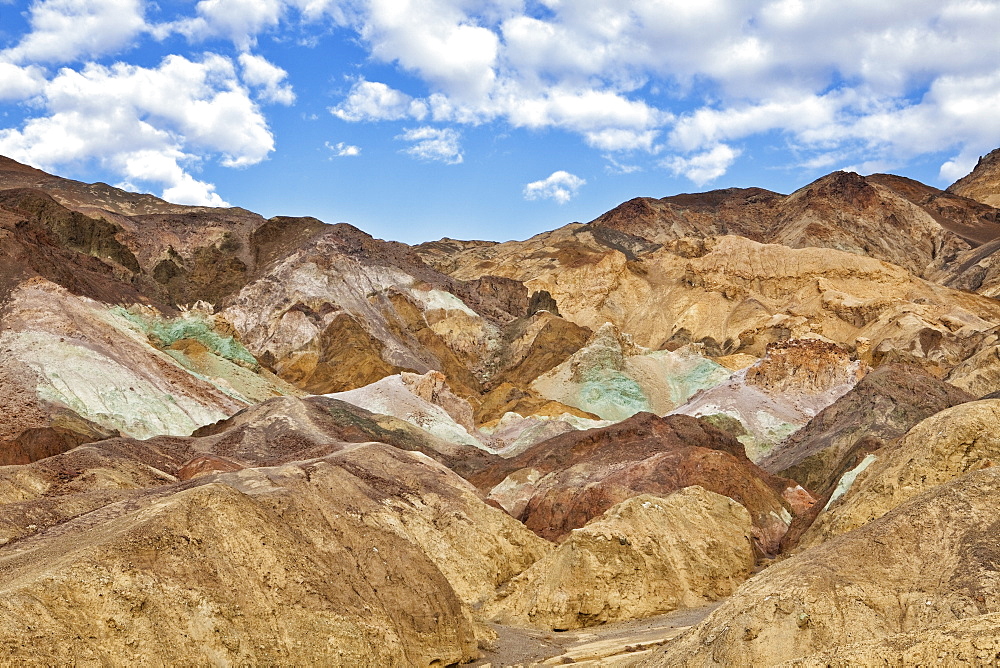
(742, 211)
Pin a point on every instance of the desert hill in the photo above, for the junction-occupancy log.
(983, 182)
(231, 439)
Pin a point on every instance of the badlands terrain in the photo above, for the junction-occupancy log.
(721, 429)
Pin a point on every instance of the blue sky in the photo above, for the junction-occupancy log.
(491, 119)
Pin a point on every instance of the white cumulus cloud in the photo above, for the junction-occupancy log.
(267, 77)
(237, 20)
(19, 83)
(65, 30)
(375, 101)
(560, 186)
(845, 77)
(150, 125)
(434, 144)
(705, 166)
(831, 82)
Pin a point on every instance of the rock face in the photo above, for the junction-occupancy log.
(745, 212)
(940, 448)
(534, 345)
(968, 642)
(921, 571)
(983, 183)
(613, 378)
(794, 381)
(644, 556)
(734, 295)
(379, 552)
(423, 400)
(884, 405)
(564, 482)
(63, 352)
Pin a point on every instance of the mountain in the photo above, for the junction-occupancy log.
(226, 438)
(983, 182)
(880, 216)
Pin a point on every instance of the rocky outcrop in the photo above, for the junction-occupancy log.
(60, 429)
(422, 400)
(983, 183)
(924, 571)
(61, 351)
(968, 642)
(979, 374)
(533, 346)
(734, 295)
(564, 482)
(771, 399)
(939, 449)
(287, 429)
(974, 221)
(613, 378)
(850, 212)
(746, 212)
(645, 556)
(884, 405)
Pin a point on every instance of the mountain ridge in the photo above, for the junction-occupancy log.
(405, 448)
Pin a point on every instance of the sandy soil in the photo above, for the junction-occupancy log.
(606, 645)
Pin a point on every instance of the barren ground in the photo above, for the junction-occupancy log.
(607, 645)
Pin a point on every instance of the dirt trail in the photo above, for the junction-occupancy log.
(616, 644)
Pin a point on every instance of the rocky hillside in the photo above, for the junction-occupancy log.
(740, 398)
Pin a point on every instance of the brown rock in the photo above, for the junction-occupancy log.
(884, 405)
(206, 464)
(564, 482)
(804, 365)
(65, 430)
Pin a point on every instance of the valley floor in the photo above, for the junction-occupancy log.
(615, 644)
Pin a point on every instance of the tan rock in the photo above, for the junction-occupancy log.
(645, 556)
(930, 563)
(734, 295)
(367, 556)
(983, 183)
(937, 450)
(973, 641)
